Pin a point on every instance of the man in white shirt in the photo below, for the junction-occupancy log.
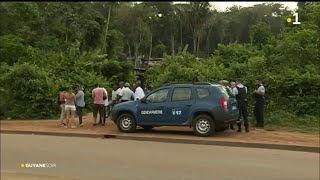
(126, 94)
(114, 93)
(239, 85)
(113, 100)
(119, 91)
(139, 93)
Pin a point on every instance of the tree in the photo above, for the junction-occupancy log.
(260, 34)
(197, 14)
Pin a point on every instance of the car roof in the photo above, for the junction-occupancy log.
(191, 84)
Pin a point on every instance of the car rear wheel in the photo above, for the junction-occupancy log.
(126, 123)
(147, 128)
(203, 125)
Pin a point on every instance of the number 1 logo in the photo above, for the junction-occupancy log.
(296, 18)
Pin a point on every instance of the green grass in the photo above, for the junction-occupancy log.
(285, 121)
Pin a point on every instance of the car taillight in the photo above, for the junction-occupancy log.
(223, 103)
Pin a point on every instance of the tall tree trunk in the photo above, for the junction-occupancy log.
(208, 41)
(194, 37)
(136, 54)
(66, 35)
(198, 44)
(172, 43)
(106, 32)
(221, 37)
(136, 51)
(150, 52)
(129, 49)
(181, 42)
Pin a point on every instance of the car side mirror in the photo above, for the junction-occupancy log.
(144, 100)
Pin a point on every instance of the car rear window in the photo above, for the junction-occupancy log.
(202, 92)
(181, 94)
(226, 93)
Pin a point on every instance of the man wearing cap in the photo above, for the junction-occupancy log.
(259, 93)
(126, 94)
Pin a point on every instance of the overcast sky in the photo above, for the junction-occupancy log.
(222, 6)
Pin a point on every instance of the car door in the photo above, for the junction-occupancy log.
(153, 109)
(180, 105)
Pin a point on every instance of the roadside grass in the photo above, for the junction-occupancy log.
(285, 121)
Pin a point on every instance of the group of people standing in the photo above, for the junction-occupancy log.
(70, 103)
(240, 92)
(73, 103)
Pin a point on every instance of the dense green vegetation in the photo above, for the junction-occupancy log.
(44, 46)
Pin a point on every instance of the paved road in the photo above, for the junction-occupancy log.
(94, 159)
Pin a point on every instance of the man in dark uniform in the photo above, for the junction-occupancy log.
(240, 91)
(259, 93)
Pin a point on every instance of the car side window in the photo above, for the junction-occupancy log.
(158, 96)
(182, 94)
(202, 92)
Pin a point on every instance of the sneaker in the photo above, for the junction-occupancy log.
(62, 124)
(80, 125)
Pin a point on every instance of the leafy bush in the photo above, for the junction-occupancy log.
(30, 92)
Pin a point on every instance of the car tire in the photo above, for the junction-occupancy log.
(147, 128)
(126, 123)
(203, 125)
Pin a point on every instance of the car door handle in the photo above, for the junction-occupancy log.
(189, 105)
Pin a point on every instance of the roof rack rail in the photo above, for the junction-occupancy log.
(202, 83)
(194, 83)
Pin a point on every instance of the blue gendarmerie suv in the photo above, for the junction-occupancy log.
(206, 107)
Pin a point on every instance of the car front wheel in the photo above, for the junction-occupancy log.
(203, 125)
(126, 123)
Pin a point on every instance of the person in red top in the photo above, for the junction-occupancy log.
(61, 102)
(98, 95)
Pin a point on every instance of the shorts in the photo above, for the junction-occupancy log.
(70, 107)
